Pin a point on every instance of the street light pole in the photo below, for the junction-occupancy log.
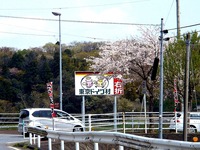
(161, 79)
(161, 83)
(60, 51)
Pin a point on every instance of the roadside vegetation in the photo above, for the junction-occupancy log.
(24, 73)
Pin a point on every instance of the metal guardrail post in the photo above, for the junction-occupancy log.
(90, 122)
(49, 143)
(96, 146)
(62, 145)
(38, 141)
(30, 138)
(77, 145)
(121, 147)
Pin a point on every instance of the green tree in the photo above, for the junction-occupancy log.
(44, 70)
(30, 77)
(174, 66)
(17, 60)
(54, 64)
(6, 91)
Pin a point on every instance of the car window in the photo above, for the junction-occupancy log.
(195, 116)
(36, 114)
(45, 113)
(42, 113)
(178, 115)
(24, 114)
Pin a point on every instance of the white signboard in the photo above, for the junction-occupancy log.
(94, 83)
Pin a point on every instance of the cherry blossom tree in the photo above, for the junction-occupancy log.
(132, 58)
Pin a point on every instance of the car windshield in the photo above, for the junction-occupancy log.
(63, 115)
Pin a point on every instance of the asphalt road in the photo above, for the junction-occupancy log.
(6, 140)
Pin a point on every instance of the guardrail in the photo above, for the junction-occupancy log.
(124, 122)
(9, 120)
(123, 141)
(129, 122)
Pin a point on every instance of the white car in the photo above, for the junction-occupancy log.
(176, 123)
(42, 117)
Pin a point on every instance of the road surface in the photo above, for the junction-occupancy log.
(9, 138)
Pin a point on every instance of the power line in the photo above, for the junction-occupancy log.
(79, 21)
(74, 7)
(111, 4)
(13, 25)
(188, 26)
(183, 34)
(169, 12)
(26, 34)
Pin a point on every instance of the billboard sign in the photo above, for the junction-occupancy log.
(94, 83)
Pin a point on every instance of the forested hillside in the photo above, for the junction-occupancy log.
(24, 74)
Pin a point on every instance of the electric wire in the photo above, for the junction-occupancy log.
(74, 7)
(183, 35)
(50, 35)
(79, 21)
(75, 21)
(169, 12)
(26, 33)
(100, 5)
(53, 35)
(118, 23)
(187, 26)
(33, 29)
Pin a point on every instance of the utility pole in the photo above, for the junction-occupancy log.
(178, 19)
(187, 69)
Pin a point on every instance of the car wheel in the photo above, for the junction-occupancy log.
(77, 129)
(172, 130)
(192, 129)
(26, 134)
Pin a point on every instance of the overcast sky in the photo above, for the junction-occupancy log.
(18, 30)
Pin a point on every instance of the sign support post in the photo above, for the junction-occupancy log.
(115, 113)
(83, 110)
